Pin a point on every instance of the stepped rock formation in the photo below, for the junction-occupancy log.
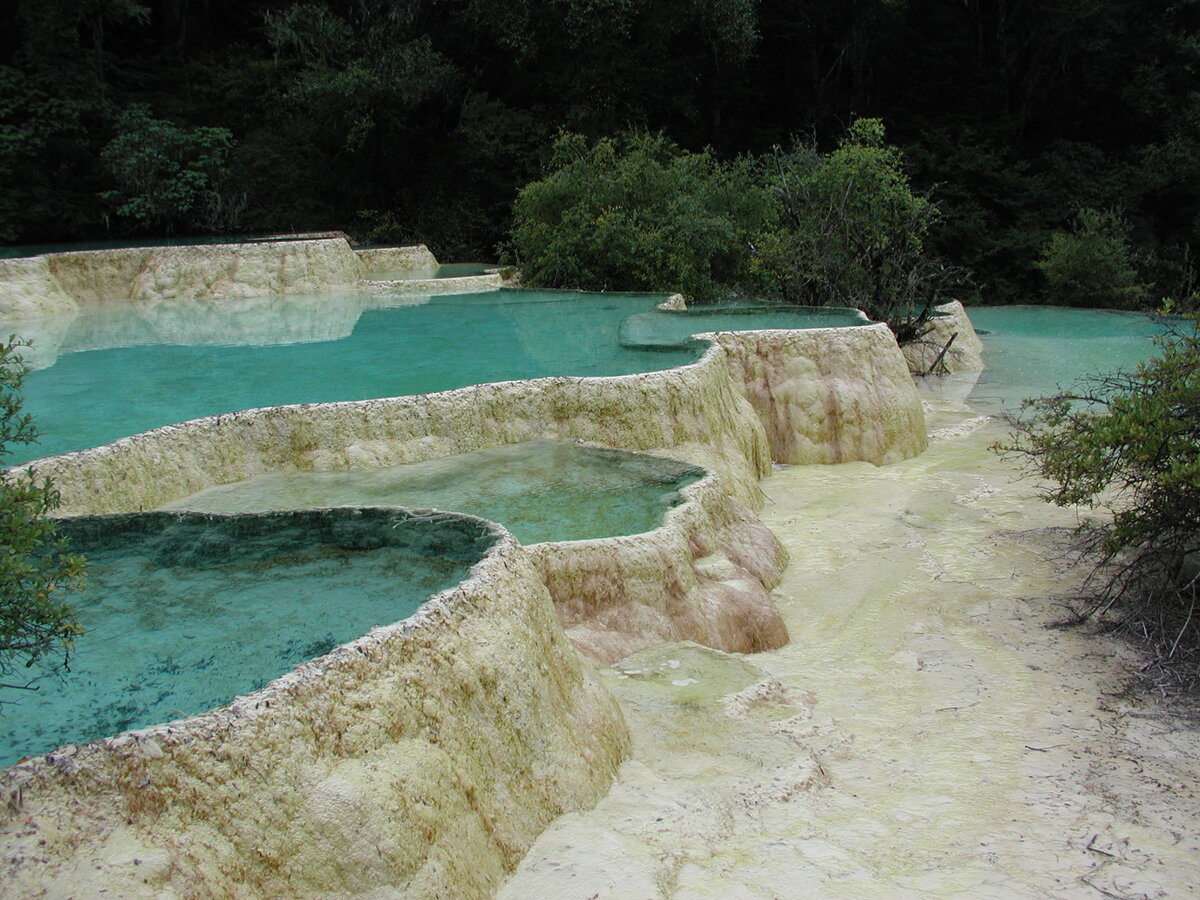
(56, 283)
(692, 413)
(705, 575)
(829, 395)
(29, 289)
(463, 284)
(964, 355)
(423, 758)
(825, 395)
(393, 259)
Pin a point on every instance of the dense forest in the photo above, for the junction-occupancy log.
(420, 120)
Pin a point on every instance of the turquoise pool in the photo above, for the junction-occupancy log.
(1031, 351)
(539, 490)
(132, 368)
(129, 368)
(184, 612)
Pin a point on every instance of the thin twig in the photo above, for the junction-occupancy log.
(1186, 623)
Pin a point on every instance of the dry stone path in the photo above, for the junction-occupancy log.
(923, 735)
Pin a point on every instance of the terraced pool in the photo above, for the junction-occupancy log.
(183, 611)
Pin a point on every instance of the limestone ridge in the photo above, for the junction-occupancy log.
(56, 283)
(965, 353)
(692, 413)
(825, 395)
(829, 395)
(705, 575)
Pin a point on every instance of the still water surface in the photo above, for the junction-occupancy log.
(182, 613)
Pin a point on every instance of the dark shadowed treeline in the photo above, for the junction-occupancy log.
(420, 120)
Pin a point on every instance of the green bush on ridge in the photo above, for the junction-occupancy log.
(637, 213)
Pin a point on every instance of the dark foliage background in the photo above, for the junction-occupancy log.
(419, 120)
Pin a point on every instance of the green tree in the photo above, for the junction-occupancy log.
(169, 176)
(367, 87)
(637, 213)
(1128, 444)
(853, 233)
(599, 67)
(37, 628)
(1091, 265)
(55, 110)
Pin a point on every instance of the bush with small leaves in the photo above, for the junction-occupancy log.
(636, 213)
(37, 627)
(1129, 444)
(1091, 265)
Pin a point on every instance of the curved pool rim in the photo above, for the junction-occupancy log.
(694, 496)
(274, 697)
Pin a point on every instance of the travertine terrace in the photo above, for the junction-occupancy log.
(426, 757)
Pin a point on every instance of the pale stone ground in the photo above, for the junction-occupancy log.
(923, 735)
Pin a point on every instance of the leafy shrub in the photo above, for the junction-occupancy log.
(636, 213)
(1091, 265)
(168, 176)
(1129, 443)
(852, 232)
(36, 627)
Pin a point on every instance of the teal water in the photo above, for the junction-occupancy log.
(539, 490)
(182, 613)
(183, 365)
(670, 329)
(1033, 351)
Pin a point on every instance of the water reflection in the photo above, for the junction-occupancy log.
(244, 322)
(126, 369)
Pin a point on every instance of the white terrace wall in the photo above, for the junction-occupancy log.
(693, 411)
(829, 395)
(826, 395)
(62, 282)
(395, 259)
(705, 575)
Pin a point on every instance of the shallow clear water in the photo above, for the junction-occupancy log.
(1030, 351)
(540, 490)
(667, 329)
(182, 613)
(345, 350)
